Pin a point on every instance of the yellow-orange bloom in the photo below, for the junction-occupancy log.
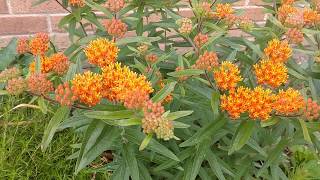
(115, 27)
(260, 104)
(227, 76)
(39, 45)
(271, 73)
(87, 87)
(117, 81)
(79, 3)
(288, 102)
(288, 2)
(278, 51)
(311, 17)
(285, 11)
(236, 102)
(60, 63)
(46, 65)
(101, 52)
(22, 46)
(223, 10)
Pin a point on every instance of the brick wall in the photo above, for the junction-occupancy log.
(18, 18)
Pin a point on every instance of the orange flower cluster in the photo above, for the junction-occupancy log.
(60, 63)
(136, 99)
(260, 104)
(230, 20)
(151, 58)
(294, 35)
(101, 52)
(64, 95)
(185, 25)
(311, 110)
(117, 81)
(200, 39)
(285, 11)
(271, 73)
(22, 46)
(236, 102)
(39, 45)
(79, 3)
(227, 76)
(278, 51)
(294, 20)
(10, 73)
(288, 2)
(223, 10)
(115, 27)
(115, 5)
(46, 65)
(16, 86)
(207, 61)
(245, 23)
(87, 87)
(288, 102)
(311, 17)
(39, 84)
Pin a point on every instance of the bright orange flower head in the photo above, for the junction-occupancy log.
(46, 65)
(288, 2)
(278, 51)
(260, 104)
(39, 45)
(207, 61)
(288, 102)
(87, 87)
(236, 102)
(101, 52)
(227, 76)
(22, 46)
(117, 81)
(60, 63)
(79, 3)
(270, 73)
(223, 10)
(115, 27)
(311, 17)
(285, 11)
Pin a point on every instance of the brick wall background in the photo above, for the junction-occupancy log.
(18, 18)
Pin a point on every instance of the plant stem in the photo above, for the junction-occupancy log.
(207, 77)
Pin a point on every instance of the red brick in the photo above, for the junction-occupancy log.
(60, 40)
(55, 24)
(255, 14)
(258, 3)
(3, 7)
(25, 6)
(22, 25)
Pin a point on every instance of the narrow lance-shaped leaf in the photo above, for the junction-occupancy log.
(164, 92)
(131, 161)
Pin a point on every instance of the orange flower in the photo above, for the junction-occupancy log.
(22, 46)
(117, 81)
(204, 10)
(227, 76)
(79, 3)
(39, 45)
(311, 110)
(223, 10)
(87, 87)
(64, 95)
(278, 51)
(230, 20)
(260, 104)
(200, 39)
(288, 102)
(46, 65)
(60, 63)
(294, 20)
(115, 5)
(207, 61)
(152, 58)
(16, 86)
(236, 102)
(136, 99)
(169, 98)
(311, 17)
(295, 36)
(185, 25)
(115, 27)
(10, 73)
(284, 11)
(270, 73)
(39, 84)
(101, 52)
(288, 2)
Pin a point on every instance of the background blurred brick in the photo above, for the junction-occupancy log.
(3, 7)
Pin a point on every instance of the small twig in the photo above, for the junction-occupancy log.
(193, 45)
(213, 3)
(207, 77)
(190, 3)
(82, 26)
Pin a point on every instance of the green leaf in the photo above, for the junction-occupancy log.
(305, 131)
(96, 6)
(38, 64)
(145, 142)
(215, 102)
(136, 39)
(186, 72)
(164, 92)
(214, 164)
(3, 92)
(98, 138)
(180, 125)
(254, 48)
(242, 135)
(53, 125)
(131, 161)
(109, 115)
(42, 105)
(178, 114)
(123, 122)
(7, 54)
(205, 132)
(272, 121)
